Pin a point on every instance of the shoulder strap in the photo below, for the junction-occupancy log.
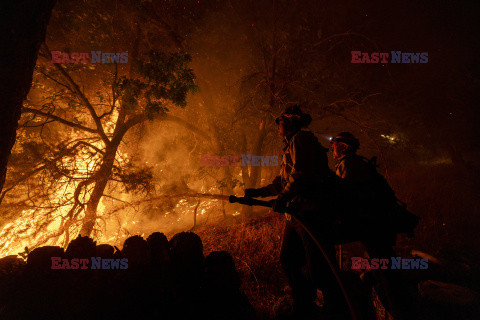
(373, 162)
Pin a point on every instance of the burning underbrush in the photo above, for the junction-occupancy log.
(116, 221)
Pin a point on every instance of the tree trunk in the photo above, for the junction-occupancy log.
(101, 181)
(106, 168)
(24, 24)
(255, 172)
(245, 211)
(250, 179)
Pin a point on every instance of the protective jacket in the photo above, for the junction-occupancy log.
(353, 169)
(304, 167)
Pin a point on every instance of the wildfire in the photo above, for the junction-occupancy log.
(119, 215)
(115, 222)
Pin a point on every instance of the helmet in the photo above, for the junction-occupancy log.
(347, 138)
(293, 113)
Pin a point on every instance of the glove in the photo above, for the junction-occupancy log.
(280, 204)
(253, 193)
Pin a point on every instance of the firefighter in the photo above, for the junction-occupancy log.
(373, 198)
(300, 185)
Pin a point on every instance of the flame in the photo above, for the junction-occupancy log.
(116, 218)
(34, 228)
(42, 226)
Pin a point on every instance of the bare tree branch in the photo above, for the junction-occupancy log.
(142, 118)
(83, 98)
(59, 119)
(42, 167)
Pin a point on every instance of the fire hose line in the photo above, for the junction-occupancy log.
(255, 202)
(332, 267)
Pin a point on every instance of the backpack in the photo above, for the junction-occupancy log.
(395, 215)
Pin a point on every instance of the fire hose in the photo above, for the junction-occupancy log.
(254, 202)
